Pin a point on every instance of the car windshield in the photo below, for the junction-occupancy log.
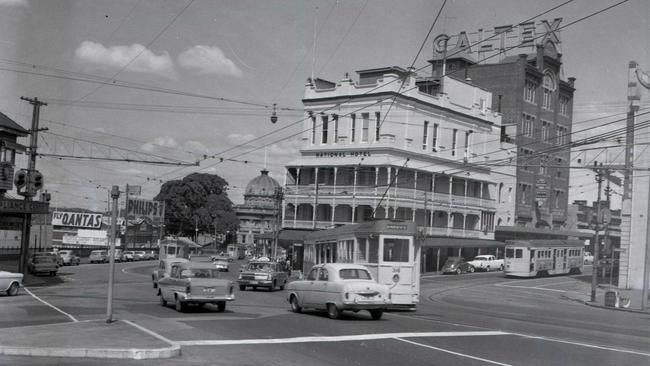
(354, 274)
(266, 267)
(452, 261)
(43, 259)
(199, 273)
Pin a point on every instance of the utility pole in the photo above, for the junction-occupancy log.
(115, 194)
(594, 270)
(278, 205)
(31, 168)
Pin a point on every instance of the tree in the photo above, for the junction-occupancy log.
(198, 201)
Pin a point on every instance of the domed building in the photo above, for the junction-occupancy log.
(258, 213)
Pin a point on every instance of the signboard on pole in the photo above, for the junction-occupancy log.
(85, 220)
(147, 208)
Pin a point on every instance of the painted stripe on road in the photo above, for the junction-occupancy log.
(151, 332)
(347, 338)
(50, 305)
(454, 353)
(622, 350)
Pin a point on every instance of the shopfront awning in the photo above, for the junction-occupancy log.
(504, 233)
(446, 242)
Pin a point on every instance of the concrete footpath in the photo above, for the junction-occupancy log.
(618, 299)
(88, 339)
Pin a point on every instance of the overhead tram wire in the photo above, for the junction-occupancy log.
(485, 58)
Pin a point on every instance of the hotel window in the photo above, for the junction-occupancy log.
(564, 106)
(325, 127)
(377, 125)
(434, 143)
(454, 142)
(313, 127)
(549, 88)
(529, 92)
(353, 126)
(546, 127)
(364, 127)
(561, 135)
(425, 135)
(527, 125)
(335, 118)
(468, 143)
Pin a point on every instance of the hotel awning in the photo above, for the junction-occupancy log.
(446, 242)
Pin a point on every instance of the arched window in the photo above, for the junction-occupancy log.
(549, 88)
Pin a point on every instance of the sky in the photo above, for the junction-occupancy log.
(187, 81)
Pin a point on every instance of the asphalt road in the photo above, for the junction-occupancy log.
(471, 319)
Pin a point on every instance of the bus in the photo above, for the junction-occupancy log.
(386, 247)
(533, 258)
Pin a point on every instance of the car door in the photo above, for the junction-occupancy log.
(306, 290)
(321, 291)
(166, 284)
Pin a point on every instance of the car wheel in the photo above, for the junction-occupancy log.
(13, 289)
(294, 304)
(376, 314)
(333, 312)
(470, 269)
(458, 271)
(163, 302)
(180, 305)
(242, 288)
(221, 306)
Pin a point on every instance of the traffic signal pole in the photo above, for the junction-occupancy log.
(31, 168)
(596, 262)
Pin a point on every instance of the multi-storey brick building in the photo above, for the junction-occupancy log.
(522, 67)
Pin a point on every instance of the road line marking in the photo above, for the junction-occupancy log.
(534, 287)
(50, 305)
(151, 332)
(454, 353)
(622, 350)
(557, 283)
(347, 338)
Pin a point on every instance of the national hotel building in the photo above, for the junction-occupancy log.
(398, 146)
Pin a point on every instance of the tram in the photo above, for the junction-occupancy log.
(532, 258)
(386, 247)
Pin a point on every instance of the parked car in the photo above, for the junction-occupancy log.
(139, 255)
(263, 274)
(486, 263)
(98, 256)
(10, 282)
(118, 256)
(59, 260)
(457, 265)
(128, 256)
(164, 268)
(43, 264)
(338, 287)
(68, 258)
(150, 255)
(195, 283)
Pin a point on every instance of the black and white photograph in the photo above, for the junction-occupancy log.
(324, 182)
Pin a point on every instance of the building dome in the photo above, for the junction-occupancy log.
(262, 185)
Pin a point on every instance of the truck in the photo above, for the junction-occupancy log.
(486, 263)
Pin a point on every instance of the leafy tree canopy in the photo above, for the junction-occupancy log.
(198, 200)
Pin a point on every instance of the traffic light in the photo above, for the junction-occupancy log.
(20, 178)
(37, 181)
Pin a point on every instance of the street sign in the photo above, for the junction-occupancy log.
(9, 205)
(133, 190)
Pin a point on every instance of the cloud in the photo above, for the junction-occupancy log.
(208, 61)
(195, 146)
(14, 3)
(240, 138)
(116, 57)
(285, 148)
(164, 141)
(131, 171)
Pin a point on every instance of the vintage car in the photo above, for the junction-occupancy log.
(68, 258)
(221, 265)
(128, 256)
(164, 268)
(486, 262)
(195, 283)
(10, 282)
(457, 265)
(336, 287)
(139, 255)
(263, 274)
(43, 263)
(98, 256)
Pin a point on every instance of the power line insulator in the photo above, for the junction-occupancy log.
(274, 115)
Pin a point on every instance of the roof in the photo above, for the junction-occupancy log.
(337, 266)
(447, 242)
(294, 235)
(262, 185)
(537, 231)
(545, 243)
(9, 125)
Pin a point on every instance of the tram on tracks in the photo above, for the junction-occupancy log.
(388, 248)
(533, 258)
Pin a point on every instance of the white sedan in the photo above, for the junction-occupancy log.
(10, 282)
(336, 287)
